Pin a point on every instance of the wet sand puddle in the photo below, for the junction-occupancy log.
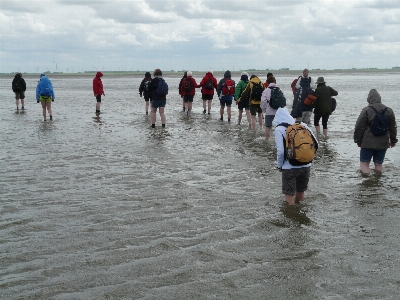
(107, 208)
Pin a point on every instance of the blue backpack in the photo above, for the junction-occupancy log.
(162, 88)
(380, 124)
(45, 87)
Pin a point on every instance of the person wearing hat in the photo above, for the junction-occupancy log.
(323, 105)
(144, 90)
(19, 87)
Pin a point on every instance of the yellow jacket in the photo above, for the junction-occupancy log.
(248, 90)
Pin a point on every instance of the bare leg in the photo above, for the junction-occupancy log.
(153, 116)
(378, 168)
(240, 116)
(289, 199)
(317, 129)
(267, 133)
(260, 120)
(43, 109)
(17, 102)
(229, 110)
(325, 131)
(48, 105)
(248, 117)
(162, 115)
(364, 167)
(209, 105)
(299, 196)
(253, 122)
(22, 102)
(98, 106)
(147, 107)
(204, 105)
(221, 111)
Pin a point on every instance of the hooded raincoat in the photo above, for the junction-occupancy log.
(363, 136)
(204, 81)
(282, 115)
(98, 84)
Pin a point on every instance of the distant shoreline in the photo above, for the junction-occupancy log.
(199, 73)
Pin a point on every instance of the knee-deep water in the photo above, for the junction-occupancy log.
(108, 208)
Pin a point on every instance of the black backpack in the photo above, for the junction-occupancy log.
(277, 98)
(17, 87)
(187, 85)
(209, 84)
(256, 91)
(380, 123)
(147, 85)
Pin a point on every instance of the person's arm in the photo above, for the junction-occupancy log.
(333, 92)
(245, 93)
(53, 96)
(392, 128)
(280, 150)
(37, 92)
(361, 126)
(298, 83)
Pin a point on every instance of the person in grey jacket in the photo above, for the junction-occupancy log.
(373, 146)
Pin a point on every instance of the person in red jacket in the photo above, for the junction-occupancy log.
(98, 90)
(188, 91)
(208, 84)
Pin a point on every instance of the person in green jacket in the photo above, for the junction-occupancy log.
(244, 104)
(323, 105)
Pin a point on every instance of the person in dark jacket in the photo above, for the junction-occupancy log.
(19, 87)
(158, 101)
(373, 146)
(225, 98)
(98, 90)
(180, 90)
(208, 84)
(144, 90)
(323, 105)
(188, 91)
(304, 85)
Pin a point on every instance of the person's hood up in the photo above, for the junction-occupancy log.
(227, 74)
(18, 75)
(374, 97)
(282, 115)
(147, 75)
(209, 74)
(99, 74)
(244, 77)
(255, 79)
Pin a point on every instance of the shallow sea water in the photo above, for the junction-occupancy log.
(107, 208)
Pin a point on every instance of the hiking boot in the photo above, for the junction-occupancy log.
(204, 112)
(183, 108)
(51, 118)
(147, 113)
(22, 108)
(153, 125)
(229, 120)
(221, 119)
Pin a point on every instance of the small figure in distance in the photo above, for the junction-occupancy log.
(254, 91)
(19, 87)
(98, 90)
(188, 87)
(304, 85)
(208, 84)
(244, 103)
(144, 90)
(180, 89)
(159, 91)
(374, 146)
(323, 105)
(226, 91)
(45, 95)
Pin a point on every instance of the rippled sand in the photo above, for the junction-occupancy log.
(107, 208)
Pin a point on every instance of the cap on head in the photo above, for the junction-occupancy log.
(41, 75)
(189, 73)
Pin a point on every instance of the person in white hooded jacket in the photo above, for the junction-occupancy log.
(294, 178)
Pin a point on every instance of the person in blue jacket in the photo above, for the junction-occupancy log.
(45, 95)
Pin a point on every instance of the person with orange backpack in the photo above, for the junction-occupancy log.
(225, 92)
(296, 148)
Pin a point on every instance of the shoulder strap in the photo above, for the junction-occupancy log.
(376, 111)
(284, 124)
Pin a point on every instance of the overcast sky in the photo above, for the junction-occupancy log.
(72, 36)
